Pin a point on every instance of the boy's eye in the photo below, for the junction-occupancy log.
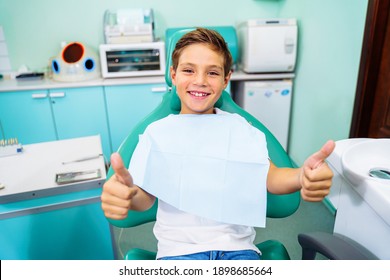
(187, 70)
(214, 73)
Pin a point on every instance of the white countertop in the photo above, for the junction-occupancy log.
(32, 173)
(14, 85)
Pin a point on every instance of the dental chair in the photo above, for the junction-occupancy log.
(278, 206)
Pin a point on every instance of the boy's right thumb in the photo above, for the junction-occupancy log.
(121, 172)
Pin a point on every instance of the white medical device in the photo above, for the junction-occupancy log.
(268, 45)
(126, 26)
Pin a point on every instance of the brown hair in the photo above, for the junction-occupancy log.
(204, 36)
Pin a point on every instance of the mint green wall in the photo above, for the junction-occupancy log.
(330, 39)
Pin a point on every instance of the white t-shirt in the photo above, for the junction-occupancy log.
(180, 233)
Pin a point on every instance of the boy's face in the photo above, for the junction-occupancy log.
(199, 79)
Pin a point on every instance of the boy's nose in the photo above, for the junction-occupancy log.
(200, 79)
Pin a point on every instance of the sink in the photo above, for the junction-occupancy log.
(368, 160)
(366, 166)
(362, 202)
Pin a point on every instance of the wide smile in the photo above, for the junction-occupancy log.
(198, 94)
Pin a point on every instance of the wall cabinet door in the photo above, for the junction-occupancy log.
(27, 115)
(80, 112)
(128, 105)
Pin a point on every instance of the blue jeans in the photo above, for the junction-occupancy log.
(218, 255)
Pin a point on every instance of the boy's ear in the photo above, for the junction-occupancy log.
(173, 75)
(227, 78)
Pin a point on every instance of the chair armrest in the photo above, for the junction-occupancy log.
(332, 246)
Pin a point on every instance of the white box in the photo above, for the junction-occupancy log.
(268, 45)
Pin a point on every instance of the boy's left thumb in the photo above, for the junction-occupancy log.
(316, 159)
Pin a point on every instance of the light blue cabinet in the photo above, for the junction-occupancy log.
(127, 105)
(27, 115)
(80, 112)
(46, 115)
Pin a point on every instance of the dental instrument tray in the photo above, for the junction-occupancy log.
(77, 176)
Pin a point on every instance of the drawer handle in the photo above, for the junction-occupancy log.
(38, 95)
(57, 94)
(159, 89)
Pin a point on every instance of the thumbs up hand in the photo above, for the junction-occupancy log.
(316, 176)
(121, 195)
(118, 190)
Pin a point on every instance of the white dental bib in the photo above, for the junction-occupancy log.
(214, 166)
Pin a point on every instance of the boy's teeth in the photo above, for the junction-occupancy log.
(199, 94)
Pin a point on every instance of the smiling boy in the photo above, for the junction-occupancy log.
(201, 70)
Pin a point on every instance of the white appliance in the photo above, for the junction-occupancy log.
(130, 60)
(268, 45)
(270, 103)
(126, 26)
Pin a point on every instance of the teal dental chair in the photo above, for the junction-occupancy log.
(278, 206)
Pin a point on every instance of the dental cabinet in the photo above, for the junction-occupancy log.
(53, 114)
(43, 218)
(27, 115)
